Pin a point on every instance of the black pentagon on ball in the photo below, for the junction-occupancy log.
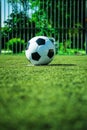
(40, 41)
(35, 56)
(50, 53)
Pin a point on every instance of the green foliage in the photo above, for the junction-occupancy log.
(42, 24)
(72, 52)
(16, 45)
(39, 17)
(5, 31)
(17, 20)
(52, 97)
(64, 48)
(49, 17)
(17, 25)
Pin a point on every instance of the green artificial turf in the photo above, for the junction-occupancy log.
(52, 97)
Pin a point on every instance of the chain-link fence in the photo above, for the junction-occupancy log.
(64, 20)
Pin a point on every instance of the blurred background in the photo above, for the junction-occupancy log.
(64, 20)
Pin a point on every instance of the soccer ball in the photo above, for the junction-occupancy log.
(40, 50)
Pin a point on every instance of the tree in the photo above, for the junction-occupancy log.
(22, 24)
(18, 24)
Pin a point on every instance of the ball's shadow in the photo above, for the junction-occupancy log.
(62, 65)
(55, 65)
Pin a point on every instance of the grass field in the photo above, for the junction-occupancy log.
(52, 97)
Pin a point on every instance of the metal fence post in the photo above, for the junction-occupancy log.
(0, 26)
(86, 26)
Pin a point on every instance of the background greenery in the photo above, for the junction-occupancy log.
(50, 18)
(52, 97)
